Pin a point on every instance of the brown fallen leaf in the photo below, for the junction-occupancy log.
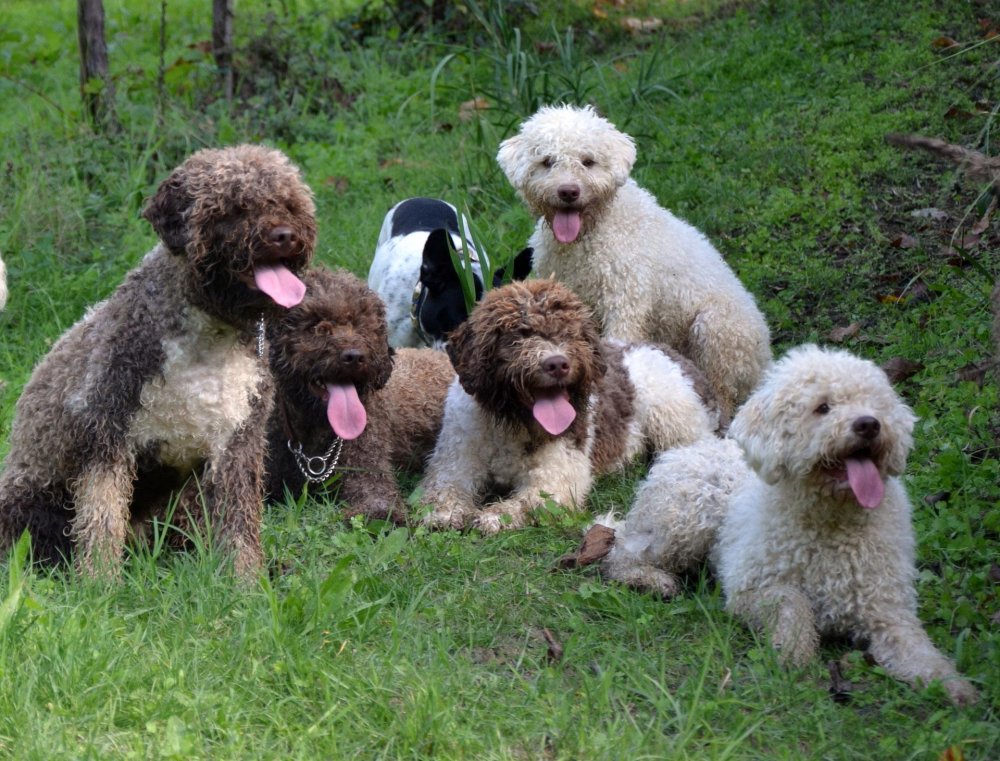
(974, 372)
(637, 26)
(339, 184)
(919, 292)
(904, 240)
(597, 543)
(933, 499)
(984, 222)
(944, 42)
(839, 335)
(467, 111)
(899, 369)
(957, 113)
(952, 753)
(840, 688)
(555, 650)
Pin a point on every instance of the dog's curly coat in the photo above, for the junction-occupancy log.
(816, 539)
(541, 404)
(648, 275)
(162, 380)
(333, 369)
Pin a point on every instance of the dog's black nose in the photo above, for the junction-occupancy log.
(866, 427)
(568, 193)
(352, 356)
(557, 366)
(281, 237)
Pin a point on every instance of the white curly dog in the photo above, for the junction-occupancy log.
(816, 540)
(648, 275)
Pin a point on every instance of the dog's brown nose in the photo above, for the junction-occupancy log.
(556, 365)
(282, 238)
(569, 193)
(866, 427)
(352, 357)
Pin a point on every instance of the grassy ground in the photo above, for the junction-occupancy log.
(760, 122)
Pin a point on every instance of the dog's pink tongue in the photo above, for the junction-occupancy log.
(566, 226)
(865, 481)
(280, 283)
(345, 411)
(554, 413)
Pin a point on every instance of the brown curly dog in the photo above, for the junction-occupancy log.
(543, 404)
(338, 409)
(163, 380)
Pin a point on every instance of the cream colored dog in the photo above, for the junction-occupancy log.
(648, 275)
(817, 540)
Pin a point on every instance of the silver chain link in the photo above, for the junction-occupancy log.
(260, 337)
(319, 467)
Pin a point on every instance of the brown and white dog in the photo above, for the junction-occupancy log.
(541, 404)
(346, 403)
(164, 380)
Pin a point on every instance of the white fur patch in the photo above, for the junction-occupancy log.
(203, 395)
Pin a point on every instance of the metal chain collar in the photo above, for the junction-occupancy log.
(319, 467)
(260, 337)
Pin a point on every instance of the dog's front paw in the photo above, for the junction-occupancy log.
(499, 518)
(454, 517)
(961, 692)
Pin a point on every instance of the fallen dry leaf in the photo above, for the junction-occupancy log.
(899, 369)
(840, 688)
(944, 42)
(952, 753)
(975, 372)
(555, 650)
(639, 26)
(340, 184)
(980, 226)
(957, 113)
(904, 240)
(891, 298)
(597, 543)
(468, 110)
(839, 335)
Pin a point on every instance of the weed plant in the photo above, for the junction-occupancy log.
(760, 122)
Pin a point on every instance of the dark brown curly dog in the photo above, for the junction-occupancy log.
(544, 404)
(163, 380)
(338, 409)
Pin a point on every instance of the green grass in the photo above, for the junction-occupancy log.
(760, 122)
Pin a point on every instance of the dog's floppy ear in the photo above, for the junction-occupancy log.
(619, 149)
(900, 427)
(750, 429)
(437, 271)
(521, 268)
(167, 211)
(511, 160)
(472, 350)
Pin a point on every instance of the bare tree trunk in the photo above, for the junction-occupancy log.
(96, 87)
(222, 43)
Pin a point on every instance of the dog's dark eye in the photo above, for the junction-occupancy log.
(547, 162)
(822, 409)
(588, 163)
(323, 328)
